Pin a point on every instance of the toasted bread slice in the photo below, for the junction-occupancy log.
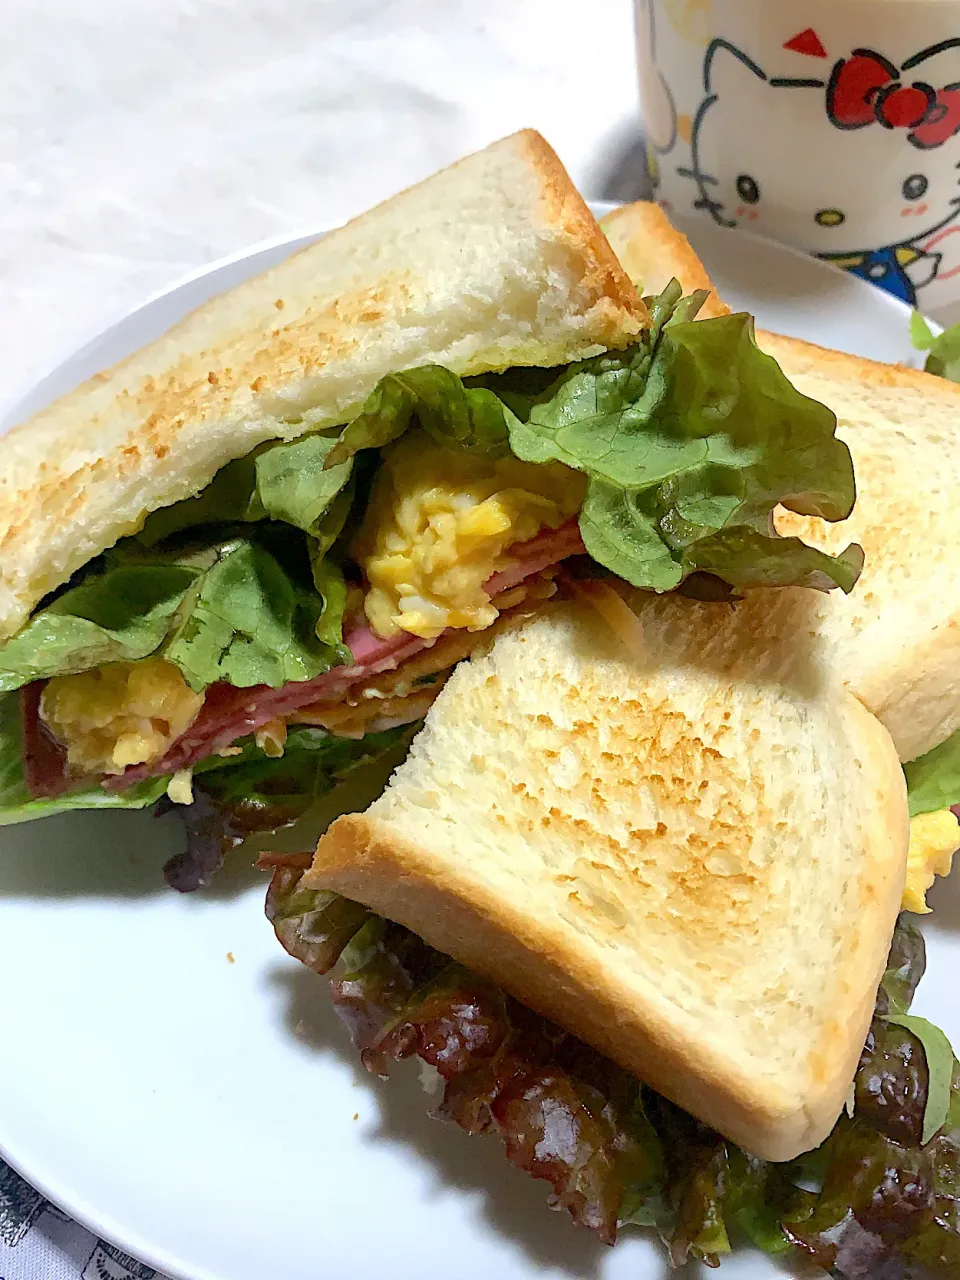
(653, 252)
(693, 861)
(896, 638)
(492, 263)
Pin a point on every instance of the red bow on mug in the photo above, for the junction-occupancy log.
(866, 89)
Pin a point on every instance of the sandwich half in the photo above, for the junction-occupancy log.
(690, 852)
(246, 558)
(896, 637)
(493, 263)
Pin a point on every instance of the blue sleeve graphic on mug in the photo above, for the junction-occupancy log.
(857, 113)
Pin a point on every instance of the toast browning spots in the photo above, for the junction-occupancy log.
(693, 860)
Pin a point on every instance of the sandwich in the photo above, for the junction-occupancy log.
(245, 560)
(642, 879)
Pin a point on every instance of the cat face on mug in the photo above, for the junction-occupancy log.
(817, 198)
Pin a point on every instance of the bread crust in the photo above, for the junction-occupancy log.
(365, 860)
(896, 638)
(493, 262)
(603, 271)
(806, 357)
(898, 635)
(652, 252)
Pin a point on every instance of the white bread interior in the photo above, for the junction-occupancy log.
(693, 861)
(896, 638)
(494, 262)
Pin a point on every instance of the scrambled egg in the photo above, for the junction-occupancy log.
(437, 526)
(934, 838)
(121, 714)
(180, 787)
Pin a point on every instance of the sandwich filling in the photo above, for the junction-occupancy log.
(299, 589)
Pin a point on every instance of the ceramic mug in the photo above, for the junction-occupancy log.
(830, 125)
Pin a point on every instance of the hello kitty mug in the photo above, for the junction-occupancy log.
(830, 125)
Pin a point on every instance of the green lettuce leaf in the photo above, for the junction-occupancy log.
(330, 526)
(690, 441)
(229, 498)
(235, 796)
(625, 531)
(254, 622)
(119, 616)
(278, 481)
(328, 576)
(254, 610)
(234, 612)
(16, 803)
(448, 410)
(331, 586)
(269, 792)
(295, 484)
(944, 348)
(745, 557)
(939, 1057)
(933, 781)
(620, 531)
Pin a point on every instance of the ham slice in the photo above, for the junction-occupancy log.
(546, 549)
(229, 713)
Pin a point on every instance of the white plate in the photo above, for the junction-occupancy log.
(210, 1117)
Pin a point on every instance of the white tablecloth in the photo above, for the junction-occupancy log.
(140, 139)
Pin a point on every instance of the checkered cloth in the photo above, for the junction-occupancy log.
(39, 1242)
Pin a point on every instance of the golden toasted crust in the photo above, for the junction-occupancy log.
(653, 252)
(868, 375)
(491, 263)
(693, 862)
(564, 205)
